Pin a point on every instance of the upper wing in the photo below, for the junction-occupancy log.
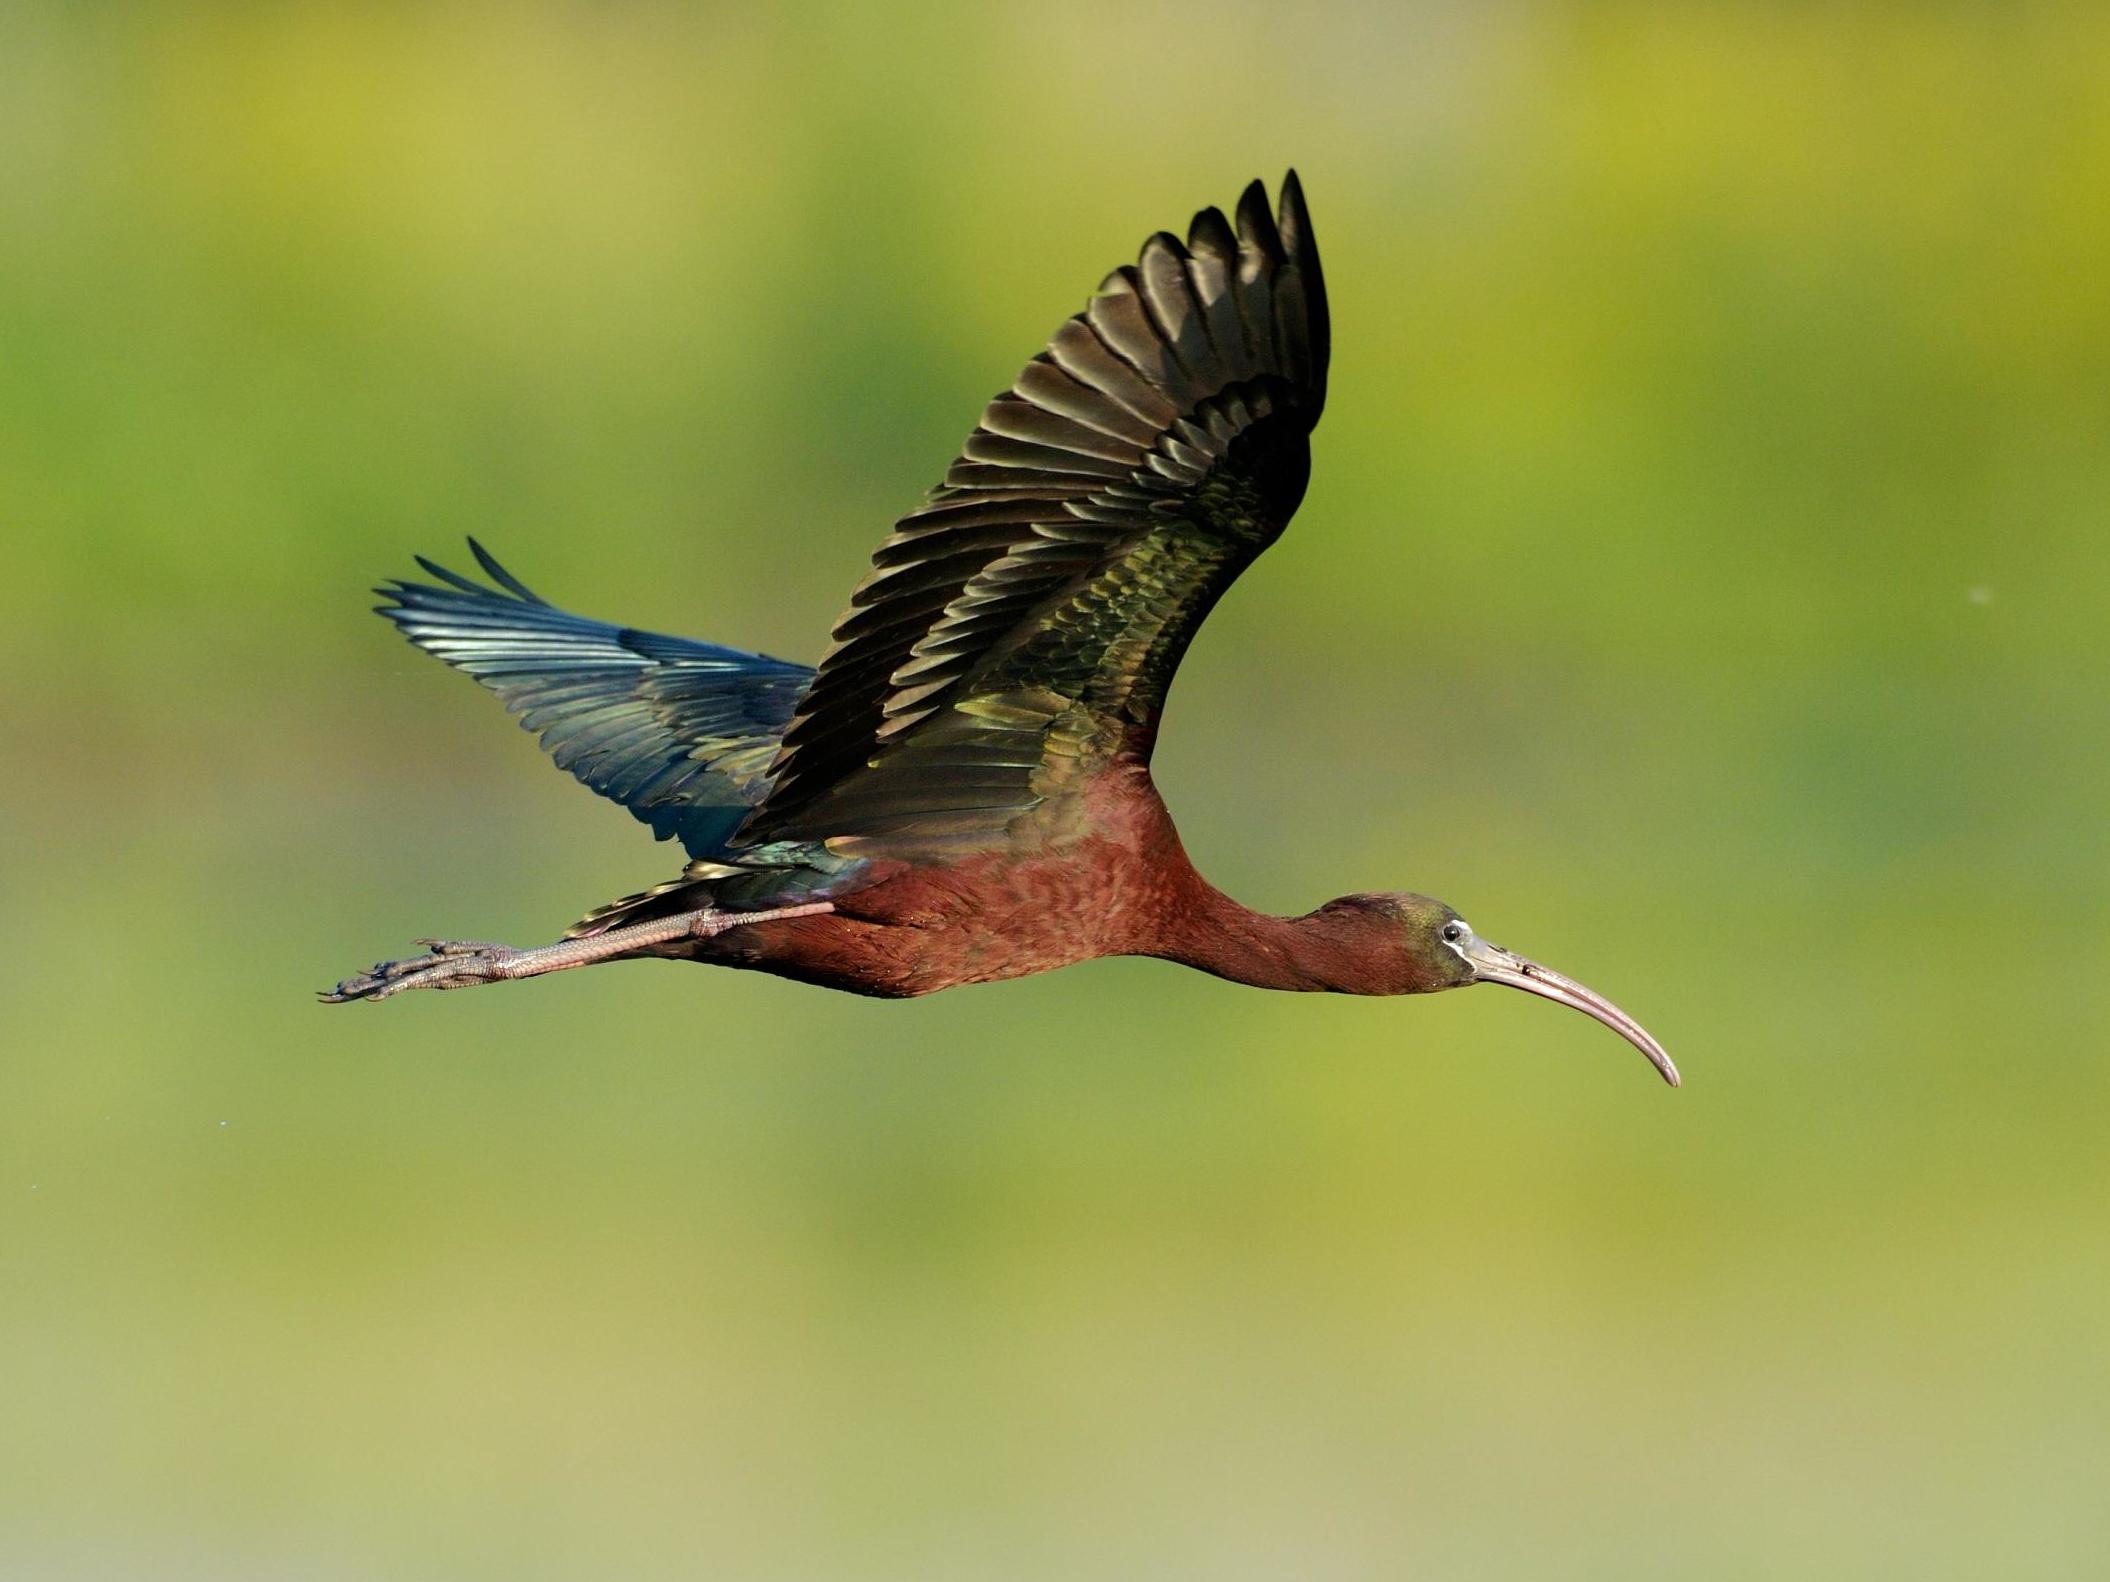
(1030, 616)
(679, 732)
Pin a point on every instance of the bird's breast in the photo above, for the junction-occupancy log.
(919, 927)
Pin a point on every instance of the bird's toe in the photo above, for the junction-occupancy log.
(447, 964)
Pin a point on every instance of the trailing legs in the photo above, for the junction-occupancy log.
(460, 963)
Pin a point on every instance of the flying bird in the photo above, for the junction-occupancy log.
(961, 791)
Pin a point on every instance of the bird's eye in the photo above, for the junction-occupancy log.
(1453, 932)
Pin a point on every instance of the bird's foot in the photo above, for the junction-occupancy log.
(446, 964)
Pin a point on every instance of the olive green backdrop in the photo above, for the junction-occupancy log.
(1702, 585)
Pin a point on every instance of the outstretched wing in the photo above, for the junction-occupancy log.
(1026, 622)
(679, 732)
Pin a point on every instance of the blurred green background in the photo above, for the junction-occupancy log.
(1702, 585)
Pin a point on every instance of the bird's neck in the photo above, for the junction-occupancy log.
(1338, 948)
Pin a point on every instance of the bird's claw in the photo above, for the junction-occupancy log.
(447, 964)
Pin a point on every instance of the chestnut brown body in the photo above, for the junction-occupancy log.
(1120, 885)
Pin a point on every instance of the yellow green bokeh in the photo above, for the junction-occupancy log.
(1704, 585)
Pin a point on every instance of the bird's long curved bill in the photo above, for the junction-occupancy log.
(1493, 964)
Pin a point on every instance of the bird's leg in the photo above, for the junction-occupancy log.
(459, 963)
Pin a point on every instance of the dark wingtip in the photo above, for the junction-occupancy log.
(1163, 241)
(461, 584)
(1211, 233)
(453, 579)
(504, 578)
(1292, 218)
(1256, 226)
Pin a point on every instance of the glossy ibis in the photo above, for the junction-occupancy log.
(961, 792)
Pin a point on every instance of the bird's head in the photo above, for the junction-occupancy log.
(1425, 946)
